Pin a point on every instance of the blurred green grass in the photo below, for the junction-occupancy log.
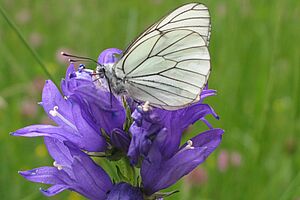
(255, 57)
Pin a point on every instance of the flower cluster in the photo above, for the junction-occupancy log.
(91, 122)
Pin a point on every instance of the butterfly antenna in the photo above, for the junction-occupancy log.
(82, 58)
(79, 58)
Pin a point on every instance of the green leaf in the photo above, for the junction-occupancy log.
(121, 176)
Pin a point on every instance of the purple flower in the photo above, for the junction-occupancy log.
(80, 114)
(102, 109)
(73, 170)
(144, 129)
(91, 119)
(148, 123)
(159, 172)
(72, 123)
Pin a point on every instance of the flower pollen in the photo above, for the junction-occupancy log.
(55, 113)
(189, 145)
(146, 106)
(58, 166)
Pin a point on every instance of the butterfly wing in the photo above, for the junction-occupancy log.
(169, 64)
(193, 16)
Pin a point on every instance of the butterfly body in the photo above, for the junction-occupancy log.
(168, 65)
(117, 84)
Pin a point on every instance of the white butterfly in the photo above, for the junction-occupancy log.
(167, 65)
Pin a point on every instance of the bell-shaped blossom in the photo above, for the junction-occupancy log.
(148, 122)
(76, 171)
(80, 113)
(73, 170)
(159, 172)
(72, 124)
(100, 107)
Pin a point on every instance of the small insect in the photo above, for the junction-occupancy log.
(168, 65)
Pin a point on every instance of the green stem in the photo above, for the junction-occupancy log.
(135, 183)
(130, 171)
(31, 50)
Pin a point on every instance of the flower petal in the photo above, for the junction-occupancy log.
(60, 153)
(43, 130)
(206, 93)
(65, 83)
(141, 140)
(54, 190)
(209, 139)
(177, 121)
(157, 176)
(108, 56)
(88, 173)
(75, 79)
(91, 139)
(62, 135)
(87, 178)
(47, 175)
(52, 98)
(106, 111)
(158, 173)
(120, 139)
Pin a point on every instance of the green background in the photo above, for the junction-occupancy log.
(255, 57)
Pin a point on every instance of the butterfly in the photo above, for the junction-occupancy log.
(167, 65)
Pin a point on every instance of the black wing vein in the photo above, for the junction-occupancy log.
(156, 88)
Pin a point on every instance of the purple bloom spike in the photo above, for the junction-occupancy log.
(91, 120)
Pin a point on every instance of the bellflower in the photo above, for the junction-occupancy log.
(72, 123)
(159, 172)
(73, 170)
(102, 109)
(80, 113)
(150, 122)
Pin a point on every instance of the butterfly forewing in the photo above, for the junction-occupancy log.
(193, 12)
(169, 64)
